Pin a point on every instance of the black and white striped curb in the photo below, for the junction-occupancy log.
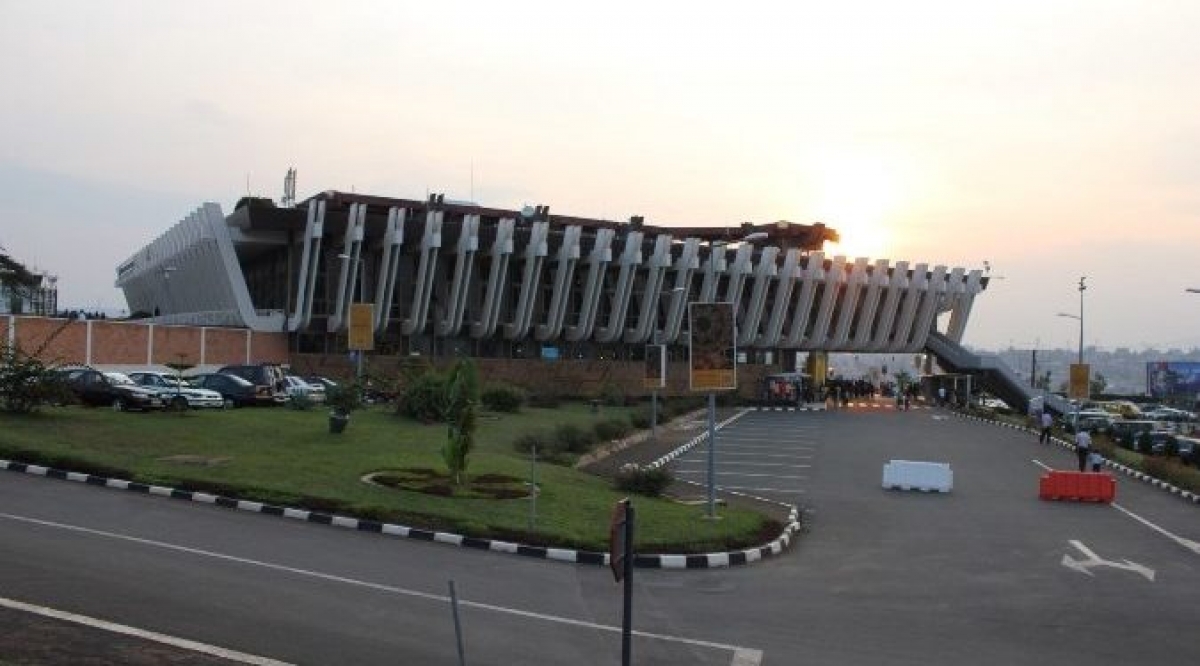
(1189, 496)
(647, 561)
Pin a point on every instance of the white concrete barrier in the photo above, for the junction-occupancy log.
(926, 476)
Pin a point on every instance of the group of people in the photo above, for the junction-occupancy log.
(1084, 450)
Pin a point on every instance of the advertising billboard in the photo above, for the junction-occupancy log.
(712, 357)
(1173, 379)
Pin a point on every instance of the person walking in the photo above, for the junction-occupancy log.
(1047, 424)
(1083, 446)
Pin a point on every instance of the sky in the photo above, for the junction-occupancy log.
(1051, 139)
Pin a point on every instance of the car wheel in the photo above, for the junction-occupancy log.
(228, 403)
(118, 405)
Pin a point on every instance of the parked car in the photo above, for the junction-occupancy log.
(267, 379)
(1125, 432)
(1188, 449)
(296, 387)
(323, 382)
(235, 391)
(1092, 420)
(177, 393)
(109, 389)
(1170, 414)
(1155, 442)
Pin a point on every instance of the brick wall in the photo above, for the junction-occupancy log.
(587, 378)
(115, 343)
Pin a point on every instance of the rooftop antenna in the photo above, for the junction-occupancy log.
(289, 189)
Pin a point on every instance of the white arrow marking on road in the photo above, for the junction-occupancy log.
(1094, 560)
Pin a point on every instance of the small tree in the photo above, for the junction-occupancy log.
(26, 382)
(462, 399)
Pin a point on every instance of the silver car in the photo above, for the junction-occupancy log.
(177, 393)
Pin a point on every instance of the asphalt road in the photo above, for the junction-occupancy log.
(976, 576)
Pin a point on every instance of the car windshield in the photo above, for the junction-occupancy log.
(119, 378)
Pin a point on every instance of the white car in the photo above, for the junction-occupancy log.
(294, 387)
(173, 392)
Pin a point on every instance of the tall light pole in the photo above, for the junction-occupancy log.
(712, 395)
(1079, 318)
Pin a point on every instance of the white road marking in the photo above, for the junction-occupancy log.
(727, 453)
(1094, 560)
(1186, 543)
(762, 490)
(204, 648)
(745, 464)
(773, 476)
(739, 652)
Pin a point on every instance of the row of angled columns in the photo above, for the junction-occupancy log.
(790, 303)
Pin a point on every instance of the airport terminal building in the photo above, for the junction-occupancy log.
(448, 278)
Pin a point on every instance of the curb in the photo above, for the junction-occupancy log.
(595, 558)
(1189, 496)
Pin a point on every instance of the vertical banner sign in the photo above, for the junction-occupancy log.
(362, 327)
(656, 367)
(1080, 387)
(711, 353)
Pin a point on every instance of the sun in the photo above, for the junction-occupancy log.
(857, 195)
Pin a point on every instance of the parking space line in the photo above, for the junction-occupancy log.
(773, 476)
(745, 464)
(755, 444)
(763, 490)
(788, 456)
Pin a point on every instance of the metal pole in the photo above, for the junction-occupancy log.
(712, 397)
(654, 415)
(1082, 287)
(712, 455)
(627, 620)
(533, 488)
(462, 658)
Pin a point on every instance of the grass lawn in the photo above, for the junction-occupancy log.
(288, 457)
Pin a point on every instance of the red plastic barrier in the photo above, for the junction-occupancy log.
(1078, 486)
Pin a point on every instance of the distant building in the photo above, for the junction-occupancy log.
(40, 299)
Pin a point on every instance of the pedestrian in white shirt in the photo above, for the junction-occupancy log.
(1083, 446)
(1047, 424)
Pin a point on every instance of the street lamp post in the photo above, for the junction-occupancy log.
(1079, 318)
(712, 395)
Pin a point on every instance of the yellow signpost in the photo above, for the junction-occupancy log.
(362, 327)
(1080, 386)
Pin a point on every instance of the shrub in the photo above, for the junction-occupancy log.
(503, 398)
(640, 419)
(611, 429)
(573, 439)
(300, 402)
(424, 398)
(612, 395)
(544, 401)
(548, 448)
(642, 481)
